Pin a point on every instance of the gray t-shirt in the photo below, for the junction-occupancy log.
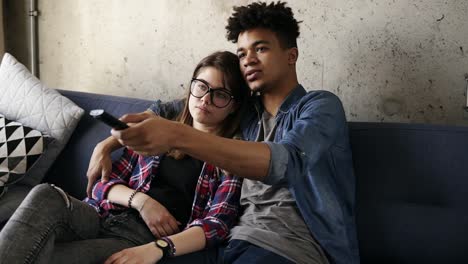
(271, 219)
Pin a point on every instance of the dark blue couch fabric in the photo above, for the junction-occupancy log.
(412, 192)
(69, 171)
(412, 182)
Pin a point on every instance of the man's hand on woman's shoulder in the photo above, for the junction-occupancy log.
(100, 165)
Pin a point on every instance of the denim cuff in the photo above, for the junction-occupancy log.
(278, 163)
(155, 107)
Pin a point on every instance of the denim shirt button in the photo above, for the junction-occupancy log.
(303, 153)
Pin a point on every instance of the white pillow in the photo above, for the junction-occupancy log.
(28, 101)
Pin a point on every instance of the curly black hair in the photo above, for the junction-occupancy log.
(276, 17)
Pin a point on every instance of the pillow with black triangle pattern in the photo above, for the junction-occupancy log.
(20, 148)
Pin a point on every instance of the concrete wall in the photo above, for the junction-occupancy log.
(16, 28)
(391, 61)
(2, 36)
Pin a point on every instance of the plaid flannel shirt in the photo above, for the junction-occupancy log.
(215, 206)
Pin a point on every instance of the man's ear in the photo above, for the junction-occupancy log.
(293, 54)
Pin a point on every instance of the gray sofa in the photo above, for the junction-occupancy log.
(411, 182)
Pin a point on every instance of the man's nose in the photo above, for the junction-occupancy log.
(250, 59)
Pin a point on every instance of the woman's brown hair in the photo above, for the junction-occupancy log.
(228, 64)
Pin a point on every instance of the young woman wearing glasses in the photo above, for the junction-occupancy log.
(137, 215)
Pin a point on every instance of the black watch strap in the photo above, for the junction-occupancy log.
(164, 246)
(167, 247)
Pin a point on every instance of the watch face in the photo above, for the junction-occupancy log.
(162, 243)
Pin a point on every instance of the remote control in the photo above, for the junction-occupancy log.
(108, 119)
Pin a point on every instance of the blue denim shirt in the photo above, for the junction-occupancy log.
(312, 155)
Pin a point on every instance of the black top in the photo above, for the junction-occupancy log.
(174, 185)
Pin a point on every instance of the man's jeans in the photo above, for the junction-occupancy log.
(51, 227)
(236, 252)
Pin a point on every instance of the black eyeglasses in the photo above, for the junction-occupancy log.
(220, 97)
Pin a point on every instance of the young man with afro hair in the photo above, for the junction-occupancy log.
(299, 187)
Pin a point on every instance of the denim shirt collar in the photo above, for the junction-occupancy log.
(294, 96)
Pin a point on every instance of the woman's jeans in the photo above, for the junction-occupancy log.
(51, 227)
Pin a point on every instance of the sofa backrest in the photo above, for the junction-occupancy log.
(412, 205)
(411, 182)
(69, 170)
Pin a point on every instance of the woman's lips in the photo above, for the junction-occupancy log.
(203, 109)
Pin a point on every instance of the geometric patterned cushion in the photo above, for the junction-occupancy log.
(20, 148)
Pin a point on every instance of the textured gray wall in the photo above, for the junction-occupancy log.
(2, 35)
(16, 27)
(391, 61)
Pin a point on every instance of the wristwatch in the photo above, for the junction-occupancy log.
(167, 247)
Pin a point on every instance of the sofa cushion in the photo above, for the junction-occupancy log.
(11, 201)
(25, 99)
(411, 192)
(75, 158)
(20, 148)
